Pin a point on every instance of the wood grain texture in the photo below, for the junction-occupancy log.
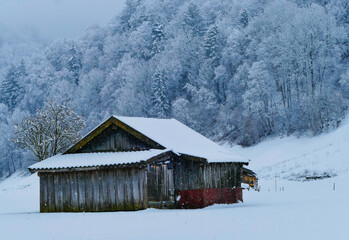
(112, 190)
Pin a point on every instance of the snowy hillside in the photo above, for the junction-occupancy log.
(296, 158)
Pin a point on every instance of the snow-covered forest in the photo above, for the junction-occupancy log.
(236, 71)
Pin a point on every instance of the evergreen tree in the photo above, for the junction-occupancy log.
(157, 37)
(161, 105)
(10, 88)
(243, 18)
(74, 63)
(210, 44)
(193, 21)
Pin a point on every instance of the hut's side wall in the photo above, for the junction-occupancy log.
(195, 175)
(199, 185)
(92, 191)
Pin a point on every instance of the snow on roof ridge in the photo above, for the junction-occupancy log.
(118, 116)
(173, 134)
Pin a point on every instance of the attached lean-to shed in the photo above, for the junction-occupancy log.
(130, 163)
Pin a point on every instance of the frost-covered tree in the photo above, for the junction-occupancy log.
(11, 88)
(161, 105)
(157, 38)
(210, 43)
(50, 131)
(243, 19)
(74, 63)
(193, 22)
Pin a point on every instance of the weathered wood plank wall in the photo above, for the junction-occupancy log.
(107, 190)
(160, 185)
(195, 175)
(114, 139)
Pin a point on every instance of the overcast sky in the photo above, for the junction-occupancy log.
(55, 19)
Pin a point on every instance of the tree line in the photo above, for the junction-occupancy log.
(236, 71)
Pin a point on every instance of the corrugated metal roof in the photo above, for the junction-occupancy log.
(83, 160)
(181, 139)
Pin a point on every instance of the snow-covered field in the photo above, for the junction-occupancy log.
(290, 210)
(304, 210)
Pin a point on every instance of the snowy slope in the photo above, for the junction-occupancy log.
(294, 158)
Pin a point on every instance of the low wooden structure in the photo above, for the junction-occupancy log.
(250, 178)
(136, 163)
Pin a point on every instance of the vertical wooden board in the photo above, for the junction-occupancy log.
(209, 176)
(163, 178)
(68, 192)
(65, 191)
(48, 194)
(218, 173)
(221, 175)
(228, 174)
(106, 190)
(181, 176)
(238, 175)
(111, 185)
(145, 189)
(95, 183)
(235, 176)
(81, 191)
(213, 176)
(43, 193)
(121, 196)
(162, 183)
(74, 192)
(101, 191)
(206, 177)
(59, 192)
(232, 174)
(51, 193)
(171, 184)
(57, 188)
(116, 188)
(135, 188)
(140, 186)
(89, 177)
(128, 192)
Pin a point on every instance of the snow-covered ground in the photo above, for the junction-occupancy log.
(304, 210)
(282, 210)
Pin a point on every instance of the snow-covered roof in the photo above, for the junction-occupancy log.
(179, 138)
(77, 160)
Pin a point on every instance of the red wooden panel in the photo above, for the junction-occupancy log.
(199, 198)
(190, 198)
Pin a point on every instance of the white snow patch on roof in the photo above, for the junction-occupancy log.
(176, 136)
(95, 159)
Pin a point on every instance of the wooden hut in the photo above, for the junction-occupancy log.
(129, 163)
